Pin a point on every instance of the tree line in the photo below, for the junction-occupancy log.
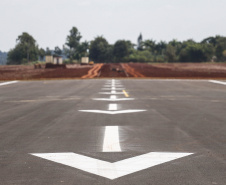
(100, 51)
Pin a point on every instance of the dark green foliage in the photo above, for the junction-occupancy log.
(73, 42)
(48, 51)
(100, 51)
(25, 50)
(121, 49)
(57, 51)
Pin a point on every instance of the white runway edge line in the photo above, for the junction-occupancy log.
(217, 82)
(112, 170)
(111, 139)
(7, 83)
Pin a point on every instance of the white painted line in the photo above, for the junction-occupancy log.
(7, 83)
(112, 170)
(217, 82)
(117, 99)
(113, 112)
(111, 139)
(111, 93)
(113, 97)
(113, 88)
(116, 86)
(113, 84)
(113, 107)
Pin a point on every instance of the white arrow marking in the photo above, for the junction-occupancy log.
(7, 83)
(113, 88)
(112, 92)
(120, 86)
(113, 98)
(111, 139)
(113, 112)
(217, 82)
(112, 170)
(113, 84)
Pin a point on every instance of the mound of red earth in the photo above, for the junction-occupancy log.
(178, 70)
(114, 70)
(28, 72)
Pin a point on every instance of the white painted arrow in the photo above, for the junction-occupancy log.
(113, 98)
(113, 88)
(120, 86)
(112, 170)
(113, 112)
(112, 92)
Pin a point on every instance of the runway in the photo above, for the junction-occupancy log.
(113, 131)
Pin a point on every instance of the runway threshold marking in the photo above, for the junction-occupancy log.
(111, 170)
(111, 139)
(217, 82)
(7, 83)
(125, 93)
(111, 144)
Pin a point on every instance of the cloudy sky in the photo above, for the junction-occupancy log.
(49, 21)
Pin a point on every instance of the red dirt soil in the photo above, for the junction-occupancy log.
(177, 70)
(21, 72)
(112, 70)
(138, 70)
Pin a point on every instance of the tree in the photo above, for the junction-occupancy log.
(121, 49)
(57, 50)
(48, 51)
(150, 45)
(41, 53)
(99, 50)
(195, 52)
(73, 42)
(171, 53)
(25, 50)
(82, 50)
(28, 42)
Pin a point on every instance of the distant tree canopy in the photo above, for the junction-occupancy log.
(210, 49)
(73, 48)
(26, 50)
(99, 50)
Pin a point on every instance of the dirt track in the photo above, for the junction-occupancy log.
(137, 70)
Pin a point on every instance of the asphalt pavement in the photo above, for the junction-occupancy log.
(113, 131)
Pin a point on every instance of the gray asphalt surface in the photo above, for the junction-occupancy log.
(182, 116)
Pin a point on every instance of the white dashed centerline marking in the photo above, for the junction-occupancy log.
(111, 139)
(113, 107)
(7, 83)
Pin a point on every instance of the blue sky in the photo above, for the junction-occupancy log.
(49, 21)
